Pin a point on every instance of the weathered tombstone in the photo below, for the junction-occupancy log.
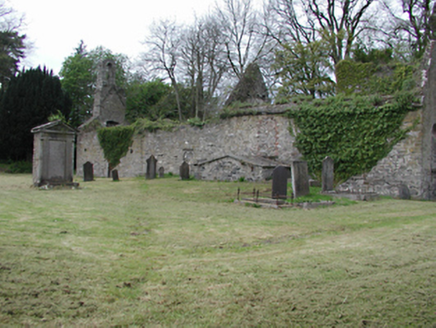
(115, 175)
(184, 171)
(88, 171)
(53, 154)
(151, 168)
(327, 174)
(161, 172)
(403, 192)
(300, 178)
(280, 182)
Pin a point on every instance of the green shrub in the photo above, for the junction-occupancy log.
(19, 167)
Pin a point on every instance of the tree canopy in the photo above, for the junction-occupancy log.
(78, 77)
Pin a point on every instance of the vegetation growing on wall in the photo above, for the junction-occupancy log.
(355, 133)
(143, 124)
(115, 142)
(368, 78)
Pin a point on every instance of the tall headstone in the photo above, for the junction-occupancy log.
(280, 182)
(115, 175)
(184, 171)
(327, 174)
(88, 171)
(161, 172)
(151, 168)
(300, 179)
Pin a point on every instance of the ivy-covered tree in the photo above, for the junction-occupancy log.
(30, 98)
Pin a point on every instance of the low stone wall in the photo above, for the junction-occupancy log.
(260, 135)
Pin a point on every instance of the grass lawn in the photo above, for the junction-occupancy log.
(170, 253)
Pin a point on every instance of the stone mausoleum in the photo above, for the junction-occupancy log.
(250, 145)
(53, 154)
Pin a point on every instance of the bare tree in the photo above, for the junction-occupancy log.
(10, 19)
(287, 22)
(163, 53)
(411, 23)
(337, 22)
(204, 58)
(245, 38)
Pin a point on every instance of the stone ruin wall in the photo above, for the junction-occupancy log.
(261, 135)
(402, 166)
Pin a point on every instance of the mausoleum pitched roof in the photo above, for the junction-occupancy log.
(55, 126)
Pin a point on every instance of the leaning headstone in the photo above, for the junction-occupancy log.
(327, 174)
(151, 168)
(115, 175)
(300, 179)
(184, 171)
(88, 171)
(161, 172)
(403, 192)
(280, 182)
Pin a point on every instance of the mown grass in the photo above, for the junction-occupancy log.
(170, 253)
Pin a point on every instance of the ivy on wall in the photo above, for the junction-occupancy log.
(115, 142)
(356, 133)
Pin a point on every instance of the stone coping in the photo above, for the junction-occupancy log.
(253, 160)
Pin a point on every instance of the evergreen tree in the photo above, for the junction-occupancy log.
(30, 98)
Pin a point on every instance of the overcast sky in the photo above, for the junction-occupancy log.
(55, 27)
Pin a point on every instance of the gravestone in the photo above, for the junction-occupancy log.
(300, 179)
(151, 168)
(184, 171)
(327, 174)
(280, 182)
(403, 192)
(115, 175)
(88, 171)
(161, 172)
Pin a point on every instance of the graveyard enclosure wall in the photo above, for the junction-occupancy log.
(266, 136)
(261, 135)
(402, 166)
(412, 162)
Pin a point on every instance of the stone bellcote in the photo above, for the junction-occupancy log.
(109, 100)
